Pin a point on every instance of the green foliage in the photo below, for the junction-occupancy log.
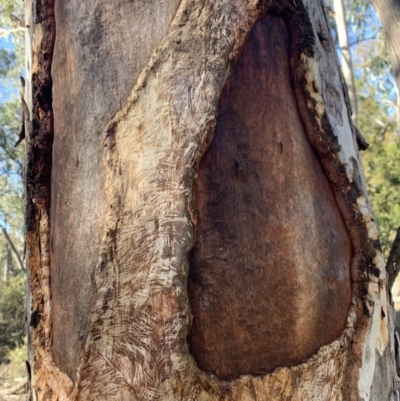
(12, 312)
(12, 278)
(11, 14)
(10, 156)
(381, 164)
(11, 67)
(7, 60)
(377, 116)
(377, 120)
(12, 27)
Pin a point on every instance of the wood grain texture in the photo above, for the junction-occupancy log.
(93, 75)
(37, 179)
(269, 275)
(136, 348)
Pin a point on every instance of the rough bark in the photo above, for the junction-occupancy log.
(110, 229)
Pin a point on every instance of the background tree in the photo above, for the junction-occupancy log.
(377, 103)
(11, 67)
(380, 122)
(346, 57)
(389, 14)
(12, 271)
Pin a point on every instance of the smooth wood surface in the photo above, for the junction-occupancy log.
(269, 278)
(101, 48)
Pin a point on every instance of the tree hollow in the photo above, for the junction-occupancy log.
(269, 277)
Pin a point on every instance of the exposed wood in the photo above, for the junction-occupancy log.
(267, 286)
(38, 95)
(135, 344)
(94, 60)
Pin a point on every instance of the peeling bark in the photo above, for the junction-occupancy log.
(135, 345)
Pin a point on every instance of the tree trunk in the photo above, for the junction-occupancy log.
(205, 235)
(19, 264)
(389, 14)
(347, 63)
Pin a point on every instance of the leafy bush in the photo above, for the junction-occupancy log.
(12, 314)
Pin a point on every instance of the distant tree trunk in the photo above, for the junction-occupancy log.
(19, 264)
(389, 14)
(197, 224)
(347, 63)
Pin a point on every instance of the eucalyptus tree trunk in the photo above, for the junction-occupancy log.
(197, 223)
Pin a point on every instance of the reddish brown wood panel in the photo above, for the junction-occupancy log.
(269, 278)
(101, 48)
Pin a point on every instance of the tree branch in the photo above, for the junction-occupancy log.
(13, 17)
(4, 32)
(358, 41)
(17, 257)
(14, 389)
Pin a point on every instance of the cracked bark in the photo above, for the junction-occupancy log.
(210, 237)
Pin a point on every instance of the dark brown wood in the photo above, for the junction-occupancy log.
(269, 278)
(93, 77)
